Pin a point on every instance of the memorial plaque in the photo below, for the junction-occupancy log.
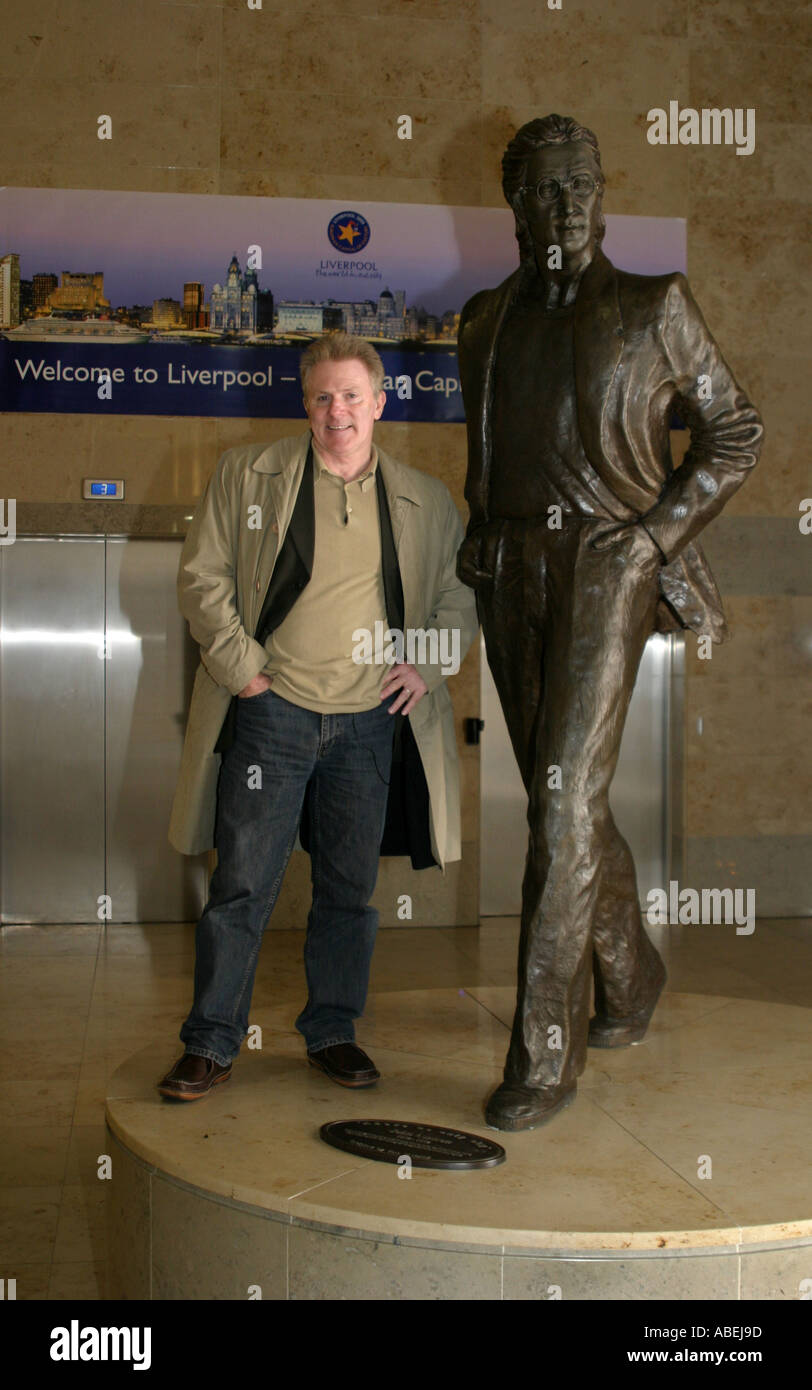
(426, 1146)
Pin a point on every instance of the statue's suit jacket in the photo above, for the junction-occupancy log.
(642, 351)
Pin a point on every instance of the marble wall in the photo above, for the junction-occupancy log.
(302, 100)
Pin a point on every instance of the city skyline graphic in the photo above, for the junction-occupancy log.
(149, 245)
(200, 305)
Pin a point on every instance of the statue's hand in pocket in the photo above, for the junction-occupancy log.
(475, 558)
(631, 542)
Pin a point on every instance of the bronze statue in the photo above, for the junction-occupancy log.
(581, 543)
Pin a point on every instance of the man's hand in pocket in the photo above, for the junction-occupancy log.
(256, 686)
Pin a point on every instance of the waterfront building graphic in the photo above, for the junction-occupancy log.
(386, 317)
(81, 292)
(195, 313)
(234, 305)
(308, 317)
(166, 313)
(9, 290)
(43, 286)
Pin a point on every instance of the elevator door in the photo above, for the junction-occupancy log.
(640, 795)
(96, 667)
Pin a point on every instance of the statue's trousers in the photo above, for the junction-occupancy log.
(565, 626)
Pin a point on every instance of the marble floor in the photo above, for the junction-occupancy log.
(77, 1001)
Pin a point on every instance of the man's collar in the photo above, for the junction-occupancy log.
(288, 454)
(322, 467)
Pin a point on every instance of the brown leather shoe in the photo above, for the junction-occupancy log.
(193, 1077)
(346, 1064)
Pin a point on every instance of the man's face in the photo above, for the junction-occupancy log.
(342, 408)
(572, 218)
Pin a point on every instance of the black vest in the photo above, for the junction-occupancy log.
(407, 816)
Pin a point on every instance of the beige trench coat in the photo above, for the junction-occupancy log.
(225, 568)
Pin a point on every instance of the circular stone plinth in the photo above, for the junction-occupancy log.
(680, 1170)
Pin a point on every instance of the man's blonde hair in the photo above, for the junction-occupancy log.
(342, 347)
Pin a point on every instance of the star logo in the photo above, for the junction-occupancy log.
(348, 232)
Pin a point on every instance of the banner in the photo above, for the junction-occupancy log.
(183, 304)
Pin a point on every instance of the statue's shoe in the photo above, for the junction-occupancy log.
(513, 1106)
(622, 1032)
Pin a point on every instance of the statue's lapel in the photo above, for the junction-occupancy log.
(598, 346)
(492, 327)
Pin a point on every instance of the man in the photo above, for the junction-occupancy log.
(580, 544)
(294, 549)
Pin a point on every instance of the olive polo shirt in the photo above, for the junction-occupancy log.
(310, 653)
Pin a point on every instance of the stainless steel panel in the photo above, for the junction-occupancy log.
(149, 674)
(51, 716)
(92, 712)
(641, 795)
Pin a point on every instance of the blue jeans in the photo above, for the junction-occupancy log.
(345, 759)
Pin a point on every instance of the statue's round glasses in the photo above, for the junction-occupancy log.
(550, 190)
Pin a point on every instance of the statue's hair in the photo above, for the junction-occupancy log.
(545, 130)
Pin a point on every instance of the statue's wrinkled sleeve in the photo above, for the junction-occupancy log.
(726, 429)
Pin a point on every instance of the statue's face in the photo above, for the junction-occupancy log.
(562, 201)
